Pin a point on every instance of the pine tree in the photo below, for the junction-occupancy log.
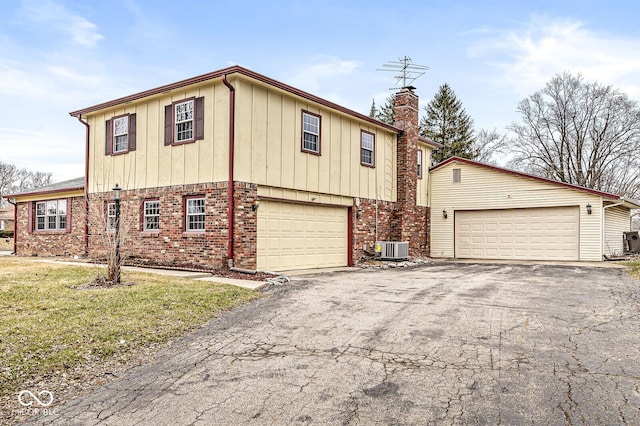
(374, 111)
(387, 114)
(448, 123)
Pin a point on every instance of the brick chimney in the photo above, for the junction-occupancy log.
(411, 220)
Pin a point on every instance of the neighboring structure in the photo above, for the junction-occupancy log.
(51, 220)
(234, 168)
(495, 213)
(7, 218)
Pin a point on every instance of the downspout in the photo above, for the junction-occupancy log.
(86, 186)
(604, 213)
(232, 119)
(15, 226)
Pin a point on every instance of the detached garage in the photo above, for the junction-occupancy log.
(481, 211)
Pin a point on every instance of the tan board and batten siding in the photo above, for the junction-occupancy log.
(482, 188)
(267, 145)
(422, 191)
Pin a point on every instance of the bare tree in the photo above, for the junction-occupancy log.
(487, 145)
(114, 246)
(13, 179)
(581, 133)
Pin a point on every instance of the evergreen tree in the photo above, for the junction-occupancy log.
(387, 114)
(448, 123)
(373, 113)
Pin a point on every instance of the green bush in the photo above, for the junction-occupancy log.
(6, 234)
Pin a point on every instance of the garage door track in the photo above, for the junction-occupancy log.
(439, 344)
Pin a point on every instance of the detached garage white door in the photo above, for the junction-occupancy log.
(300, 236)
(525, 234)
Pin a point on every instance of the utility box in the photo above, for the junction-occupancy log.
(632, 241)
(392, 250)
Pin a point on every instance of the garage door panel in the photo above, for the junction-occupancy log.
(297, 236)
(536, 234)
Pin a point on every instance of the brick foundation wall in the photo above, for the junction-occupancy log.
(364, 227)
(171, 245)
(51, 243)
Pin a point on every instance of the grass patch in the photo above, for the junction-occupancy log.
(47, 326)
(634, 268)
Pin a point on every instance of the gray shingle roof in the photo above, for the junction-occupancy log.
(77, 183)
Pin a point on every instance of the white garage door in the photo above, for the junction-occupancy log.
(526, 234)
(300, 236)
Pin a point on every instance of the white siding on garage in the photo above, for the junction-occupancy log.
(524, 234)
(617, 220)
(301, 236)
(481, 188)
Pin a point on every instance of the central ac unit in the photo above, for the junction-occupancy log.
(392, 250)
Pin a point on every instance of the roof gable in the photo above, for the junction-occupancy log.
(523, 175)
(236, 69)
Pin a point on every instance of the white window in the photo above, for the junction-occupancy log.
(310, 132)
(367, 144)
(419, 163)
(183, 120)
(111, 216)
(195, 214)
(151, 215)
(51, 215)
(120, 134)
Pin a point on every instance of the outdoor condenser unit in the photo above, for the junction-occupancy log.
(392, 250)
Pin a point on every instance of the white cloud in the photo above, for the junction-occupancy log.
(80, 30)
(319, 71)
(526, 57)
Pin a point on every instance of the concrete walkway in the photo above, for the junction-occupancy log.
(201, 276)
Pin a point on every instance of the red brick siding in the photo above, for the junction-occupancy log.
(171, 245)
(51, 243)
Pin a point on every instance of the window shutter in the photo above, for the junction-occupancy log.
(132, 132)
(30, 206)
(168, 125)
(108, 142)
(69, 203)
(199, 118)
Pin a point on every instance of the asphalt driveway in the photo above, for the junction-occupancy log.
(439, 344)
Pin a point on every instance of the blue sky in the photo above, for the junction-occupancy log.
(58, 56)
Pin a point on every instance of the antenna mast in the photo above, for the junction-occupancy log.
(407, 72)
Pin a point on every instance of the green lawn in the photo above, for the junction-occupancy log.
(47, 326)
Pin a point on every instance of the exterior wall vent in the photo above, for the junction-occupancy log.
(392, 250)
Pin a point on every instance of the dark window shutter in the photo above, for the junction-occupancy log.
(168, 125)
(199, 118)
(30, 216)
(108, 142)
(69, 204)
(132, 132)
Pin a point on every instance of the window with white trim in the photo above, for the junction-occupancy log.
(367, 145)
(195, 214)
(183, 120)
(51, 215)
(419, 163)
(111, 216)
(121, 134)
(151, 212)
(310, 132)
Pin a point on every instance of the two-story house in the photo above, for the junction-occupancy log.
(234, 168)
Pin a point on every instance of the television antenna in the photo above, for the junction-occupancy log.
(407, 72)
